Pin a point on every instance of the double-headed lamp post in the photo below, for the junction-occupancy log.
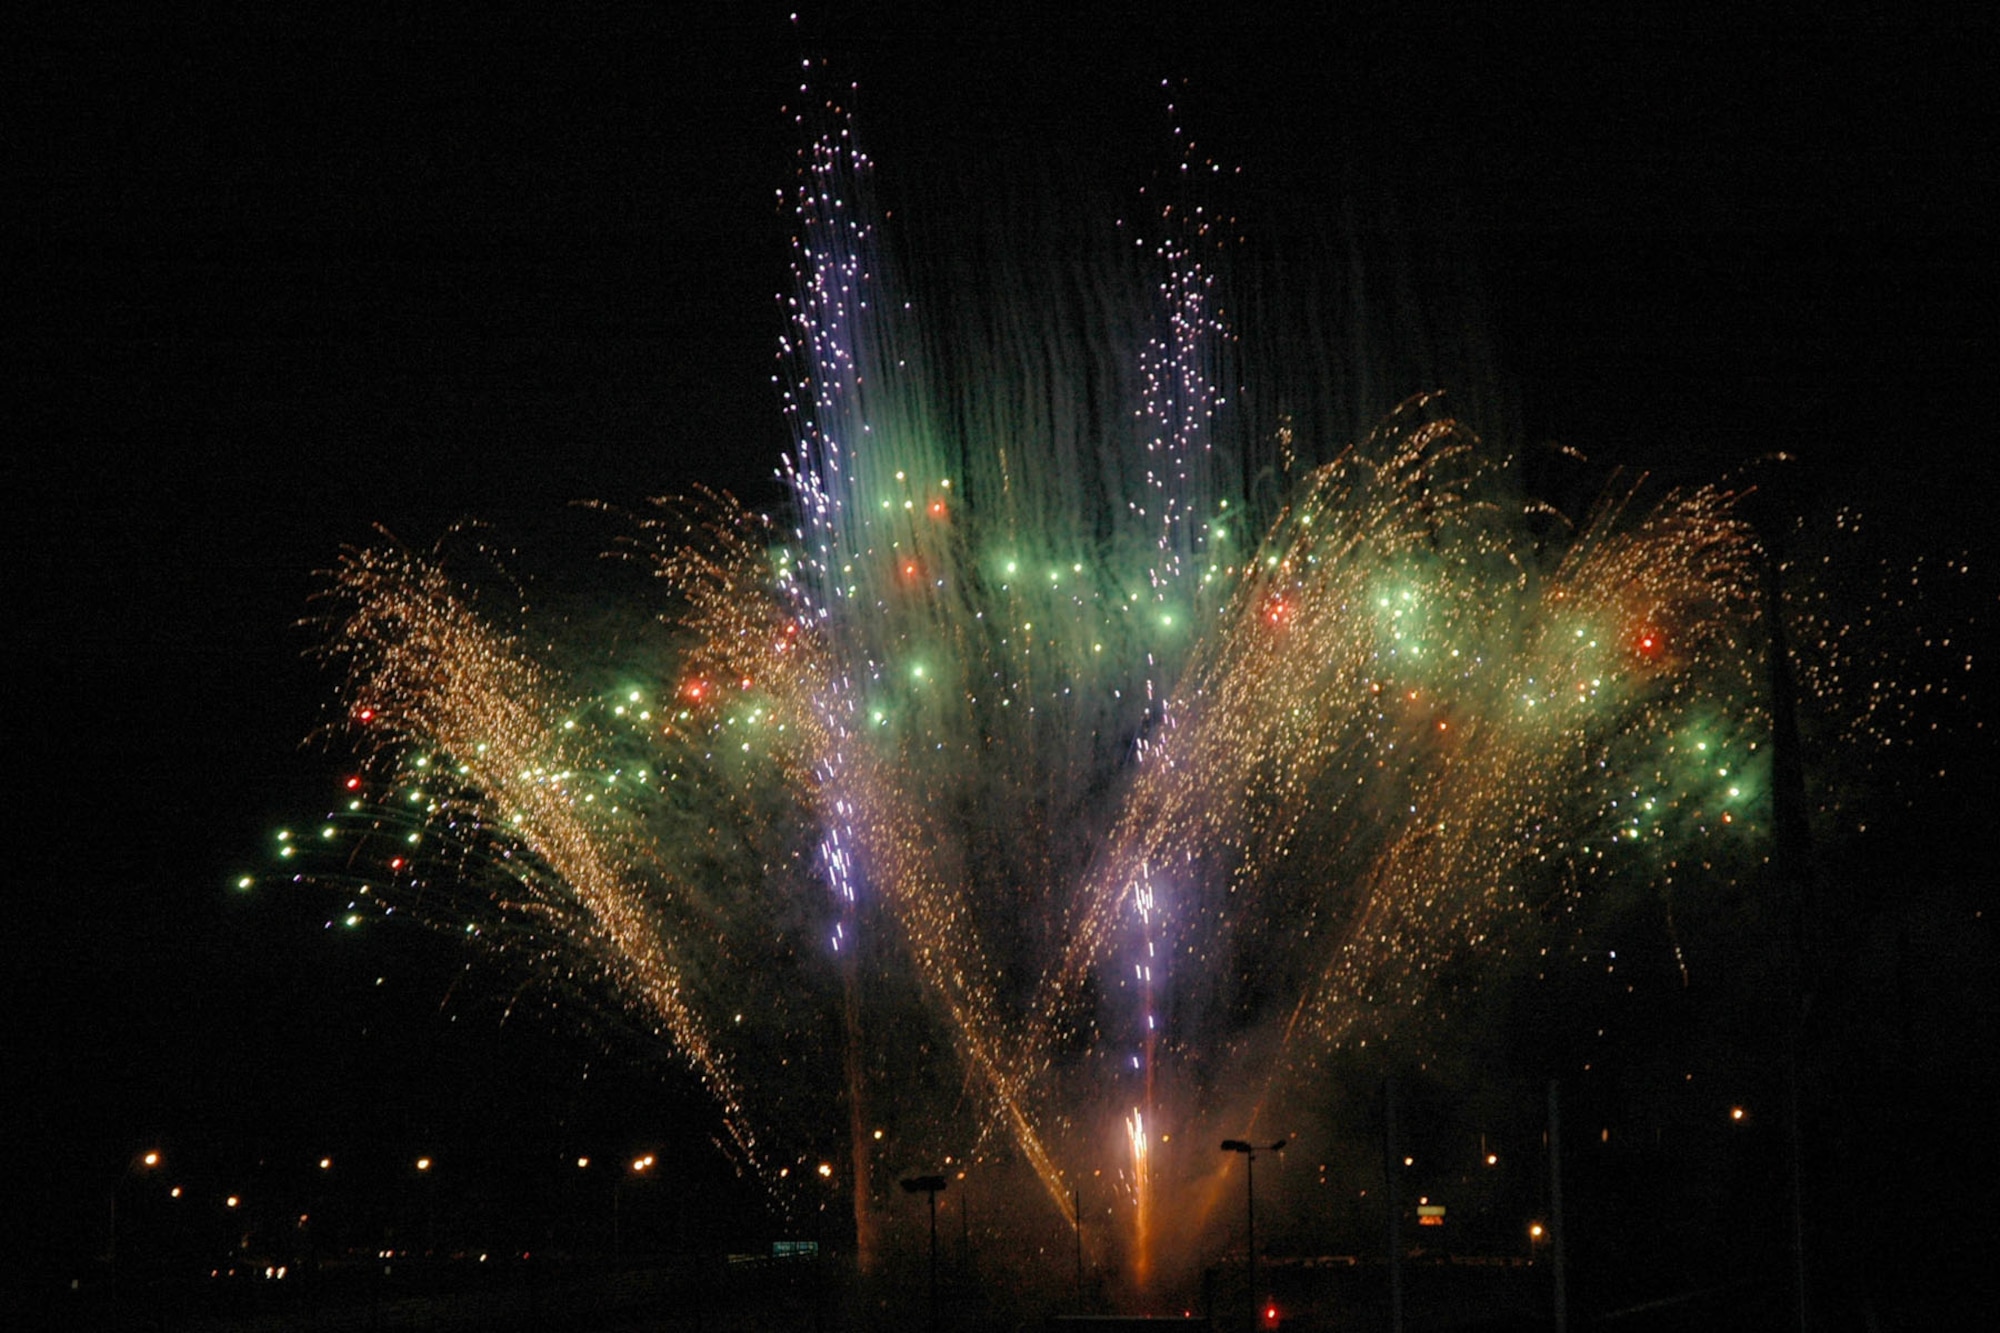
(637, 1169)
(930, 1185)
(1250, 1151)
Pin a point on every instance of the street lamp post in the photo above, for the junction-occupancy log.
(140, 1162)
(638, 1169)
(930, 1185)
(1250, 1151)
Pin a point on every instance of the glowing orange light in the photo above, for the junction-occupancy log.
(353, 783)
(909, 569)
(937, 509)
(366, 715)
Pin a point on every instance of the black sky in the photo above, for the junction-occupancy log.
(278, 279)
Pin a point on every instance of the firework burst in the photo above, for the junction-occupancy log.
(1042, 788)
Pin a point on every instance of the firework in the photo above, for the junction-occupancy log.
(1044, 788)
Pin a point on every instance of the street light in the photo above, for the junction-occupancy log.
(636, 1169)
(931, 1185)
(1250, 1151)
(140, 1162)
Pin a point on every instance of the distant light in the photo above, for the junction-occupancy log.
(423, 1164)
(582, 1163)
(231, 1201)
(326, 1164)
(151, 1159)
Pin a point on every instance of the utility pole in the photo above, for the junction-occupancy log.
(1792, 859)
(1392, 1174)
(1556, 1210)
(1076, 1216)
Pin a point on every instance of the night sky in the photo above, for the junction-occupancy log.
(277, 280)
